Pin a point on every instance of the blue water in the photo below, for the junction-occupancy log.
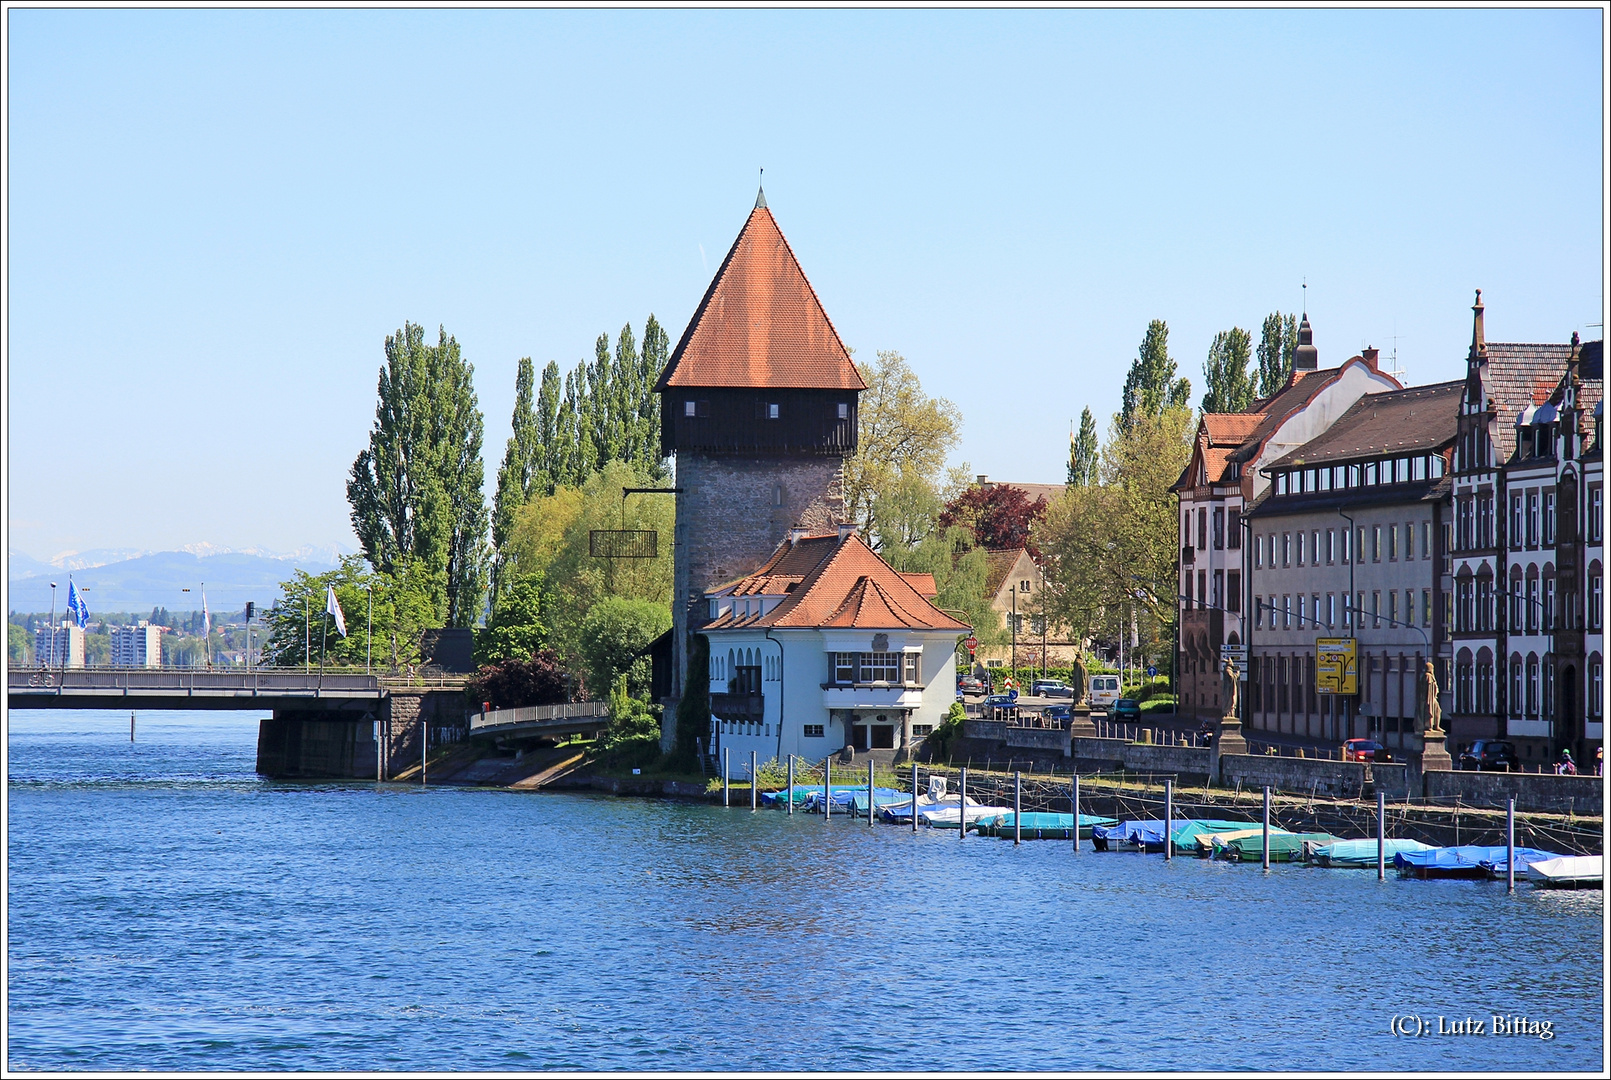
(170, 910)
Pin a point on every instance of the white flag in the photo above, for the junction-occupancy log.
(333, 607)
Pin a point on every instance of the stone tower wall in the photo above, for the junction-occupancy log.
(732, 513)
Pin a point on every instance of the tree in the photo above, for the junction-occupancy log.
(405, 605)
(415, 491)
(19, 647)
(1000, 517)
(961, 572)
(1150, 386)
(901, 433)
(693, 711)
(1278, 341)
(518, 684)
(516, 630)
(1082, 452)
(613, 636)
(520, 473)
(1230, 386)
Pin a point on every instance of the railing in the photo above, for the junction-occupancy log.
(536, 714)
(184, 680)
(739, 708)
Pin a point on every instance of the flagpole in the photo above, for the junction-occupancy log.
(307, 640)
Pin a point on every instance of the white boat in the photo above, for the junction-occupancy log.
(1568, 872)
(946, 817)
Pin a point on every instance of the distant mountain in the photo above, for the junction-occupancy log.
(157, 580)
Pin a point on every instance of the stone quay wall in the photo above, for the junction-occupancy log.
(303, 744)
(1532, 791)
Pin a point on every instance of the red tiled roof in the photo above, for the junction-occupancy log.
(848, 586)
(760, 324)
(923, 583)
(1230, 429)
(998, 564)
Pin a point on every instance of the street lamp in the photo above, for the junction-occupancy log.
(51, 637)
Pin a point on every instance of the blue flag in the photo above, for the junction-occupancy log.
(76, 605)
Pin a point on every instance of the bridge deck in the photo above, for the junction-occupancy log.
(195, 688)
(575, 718)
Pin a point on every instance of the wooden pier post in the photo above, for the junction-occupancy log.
(1510, 844)
(131, 726)
(755, 782)
(827, 787)
(791, 785)
(727, 760)
(962, 804)
(425, 746)
(1266, 826)
(1074, 806)
(1017, 807)
(1169, 822)
(1381, 836)
(914, 796)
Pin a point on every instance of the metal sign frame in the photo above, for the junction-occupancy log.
(623, 543)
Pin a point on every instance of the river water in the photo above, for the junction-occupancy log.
(168, 909)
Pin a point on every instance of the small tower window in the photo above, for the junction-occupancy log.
(689, 409)
(777, 494)
(772, 410)
(844, 411)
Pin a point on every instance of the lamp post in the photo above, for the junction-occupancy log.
(369, 627)
(51, 637)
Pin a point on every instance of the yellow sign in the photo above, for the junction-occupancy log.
(1336, 666)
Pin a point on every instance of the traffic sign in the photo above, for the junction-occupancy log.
(1336, 666)
(1152, 671)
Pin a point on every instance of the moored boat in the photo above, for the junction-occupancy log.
(1568, 872)
(1041, 825)
(1361, 854)
(1472, 861)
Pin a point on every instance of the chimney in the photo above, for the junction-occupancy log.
(1479, 342)
(847, 529)
(1370, 354)
(984, 481)
(796, 534)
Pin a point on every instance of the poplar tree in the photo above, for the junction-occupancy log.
(519, 473)
(1278, 341)
(415, 491)
(1082, 452)
(1230, 386)
(1150, 387)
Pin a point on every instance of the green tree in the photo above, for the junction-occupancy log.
(405, 605)
(1083, 452)
(1230, 386)
(614, 633)
(693, 711)
(516, 629)
(19, 646)
(415, 491)
(1150, 386)
(961, 575)
(902, 433)
(520, 473)
(1278, 341)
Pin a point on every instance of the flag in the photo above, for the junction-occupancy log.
(76, 606)
(206, 618)
(332, 606)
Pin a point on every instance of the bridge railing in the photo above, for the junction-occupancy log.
(185, 680)
(533, 714)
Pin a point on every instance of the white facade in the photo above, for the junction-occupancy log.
(61, 647)
(137, 646)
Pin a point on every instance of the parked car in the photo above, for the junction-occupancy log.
(1057, 712)
(1051, 688)
(1002, 701)
(1489, 755)
(972, 684)
(1104, 690)
(1365, 750)
(1126, 709)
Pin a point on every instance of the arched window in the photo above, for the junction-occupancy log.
(1515, 702)
(1548, 710)
(1532, 685)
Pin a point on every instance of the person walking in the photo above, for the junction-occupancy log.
(1599, 761)
(1566, 768)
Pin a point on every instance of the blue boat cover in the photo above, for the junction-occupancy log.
(1041, 819)
(1467, 857)
(801, 793)
(1364, 851)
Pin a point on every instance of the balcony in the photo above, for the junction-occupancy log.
(738, 708)
(871, 696)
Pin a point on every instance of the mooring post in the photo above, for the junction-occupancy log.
(727, 759)
(1169, 823)
(962, 804)
(1381, 836)
(1017, 807)
(1074, 806)
(755, 782)
(380, 750)
(1266, 826)
(1510, 844)
(791, 785)
(914, 796)
(869, 793)
(425, 747)
(131, 726)
(827, 787)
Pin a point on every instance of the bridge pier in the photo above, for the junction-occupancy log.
(307, 744)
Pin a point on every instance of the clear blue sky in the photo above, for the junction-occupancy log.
(217, 216)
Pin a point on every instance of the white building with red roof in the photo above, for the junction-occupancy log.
(826, 646)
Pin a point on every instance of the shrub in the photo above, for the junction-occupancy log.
(515, 684)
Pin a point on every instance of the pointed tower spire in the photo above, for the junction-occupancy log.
(1305, 357)
(1479, 344)
(760, 191)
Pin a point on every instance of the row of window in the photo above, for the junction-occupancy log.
(743, 670)
(1532, 688)
(764, 410)
(1289, 612)
(1227, 590)
(1393, 542)
(1402, 470)
(1535, 520)
(1532, 606)
(876, 667)
(1227, 529)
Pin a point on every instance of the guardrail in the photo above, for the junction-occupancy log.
(187, 681)
(537, 714)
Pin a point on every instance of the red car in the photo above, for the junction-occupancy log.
(1365, 750)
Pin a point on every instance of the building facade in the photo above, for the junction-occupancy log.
(136, 646)
(1347, 542)
(61, 646)
(1526, 571)
(759, 408)
(822, 647)
(1222, 478)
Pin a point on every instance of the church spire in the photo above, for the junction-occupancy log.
(760, 192)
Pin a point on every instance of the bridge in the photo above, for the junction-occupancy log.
(324, 724)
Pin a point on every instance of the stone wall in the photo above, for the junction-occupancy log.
(310, 745)
(1189, 763)
(729, 519)
(1533, 791)
(1099, 755)
(1391, 780)
(1298, 776)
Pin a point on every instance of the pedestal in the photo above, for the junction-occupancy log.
(1227, 740)
(1079, 722)
(1435, 751)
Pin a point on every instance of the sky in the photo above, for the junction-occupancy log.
(216, 217)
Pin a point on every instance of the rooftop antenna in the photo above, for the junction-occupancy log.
(1394, 370)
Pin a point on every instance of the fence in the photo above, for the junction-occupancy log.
(534, 714)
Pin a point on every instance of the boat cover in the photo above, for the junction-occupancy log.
(1360, 854)
(1284, 846)
(1041, 822)
(1152, 832)
(1568, 870)
(945, 817)
(1467, 857)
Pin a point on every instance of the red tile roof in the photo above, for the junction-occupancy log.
(760, 324)
(848, 586)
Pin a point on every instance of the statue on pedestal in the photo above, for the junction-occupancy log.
(1080, 680)
(1427, 712)
(1228, 676)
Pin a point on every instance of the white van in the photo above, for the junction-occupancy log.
(1104, 691)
